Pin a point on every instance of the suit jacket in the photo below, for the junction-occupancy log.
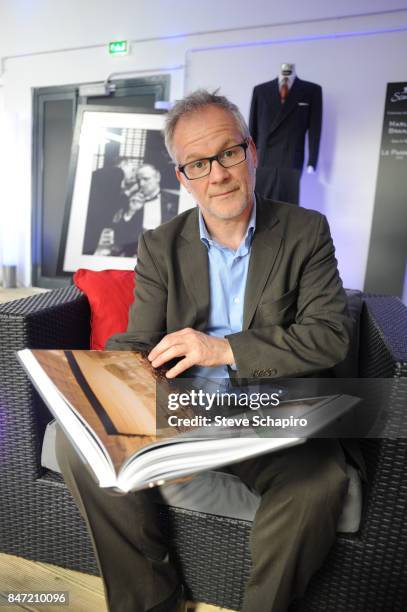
(295, 317)
(127, 233)
(279, 130)
(169, 205)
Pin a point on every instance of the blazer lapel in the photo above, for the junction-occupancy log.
(274, 104)
(289, 105)
(265, 248)
(193, 261)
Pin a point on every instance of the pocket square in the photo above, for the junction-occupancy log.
(303, 103)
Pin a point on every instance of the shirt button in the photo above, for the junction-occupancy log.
(236, 300)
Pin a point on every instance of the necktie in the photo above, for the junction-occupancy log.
(283, 90)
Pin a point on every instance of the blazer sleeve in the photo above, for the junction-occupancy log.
(317, 339)
(147, 316)
(315, 125)
(253, 118)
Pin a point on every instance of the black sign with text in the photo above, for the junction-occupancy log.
(386, 265)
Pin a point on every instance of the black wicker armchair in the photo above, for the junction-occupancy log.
(38, 519)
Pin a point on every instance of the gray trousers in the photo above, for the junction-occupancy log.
(302, 489)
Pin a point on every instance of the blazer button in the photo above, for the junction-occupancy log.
(260, 373)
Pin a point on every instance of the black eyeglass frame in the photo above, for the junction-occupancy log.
(244, 145)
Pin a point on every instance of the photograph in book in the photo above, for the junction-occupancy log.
(136, 429)
(113, 392)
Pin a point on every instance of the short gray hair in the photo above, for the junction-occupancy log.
(196, 101)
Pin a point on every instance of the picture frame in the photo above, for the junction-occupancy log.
(121, 182)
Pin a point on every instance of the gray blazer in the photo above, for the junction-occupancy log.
(295, 317)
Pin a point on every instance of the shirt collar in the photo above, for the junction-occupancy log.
(247, 239)
(290, 80)
(153, 197)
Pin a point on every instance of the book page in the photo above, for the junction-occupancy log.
(113, 391)
(124, 387)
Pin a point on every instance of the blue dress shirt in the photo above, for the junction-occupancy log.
(227, 283)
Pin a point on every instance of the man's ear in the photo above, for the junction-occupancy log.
(181, 178)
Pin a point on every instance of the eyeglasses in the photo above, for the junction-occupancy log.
(227, 158)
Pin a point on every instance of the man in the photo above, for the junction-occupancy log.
(159, 205)
(148, 207)
(245, 287)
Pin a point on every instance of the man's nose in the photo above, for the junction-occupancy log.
(218, 172)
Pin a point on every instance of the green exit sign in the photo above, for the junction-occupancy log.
(119, 47)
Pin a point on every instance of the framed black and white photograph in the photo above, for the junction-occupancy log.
(121, 183)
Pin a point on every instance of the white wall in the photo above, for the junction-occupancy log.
(32, 26)
(353, 61)
(44, 43)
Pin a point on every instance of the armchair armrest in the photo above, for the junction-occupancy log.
(58, 319)
(383, 337)
(38, 519)
(383, 354)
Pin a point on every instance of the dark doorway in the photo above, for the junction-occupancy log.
(54, 113)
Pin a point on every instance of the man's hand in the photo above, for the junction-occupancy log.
(196, 348)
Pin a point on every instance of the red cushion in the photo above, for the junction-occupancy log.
(110, 294)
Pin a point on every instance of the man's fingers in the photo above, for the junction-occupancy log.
(168, 341)
(177, 350)
(180, 367)
(160, 348)
(196, 347)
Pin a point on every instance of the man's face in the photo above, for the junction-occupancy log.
(149, 181)
(226, 193)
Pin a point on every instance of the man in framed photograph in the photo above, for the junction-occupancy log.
(148, 207)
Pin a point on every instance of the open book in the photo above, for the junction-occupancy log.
(115, 409)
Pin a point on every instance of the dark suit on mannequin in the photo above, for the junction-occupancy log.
(279, 131)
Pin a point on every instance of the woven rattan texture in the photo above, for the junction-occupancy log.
(214, 575)
(368, 573)
(38, 520)
(392, 315)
